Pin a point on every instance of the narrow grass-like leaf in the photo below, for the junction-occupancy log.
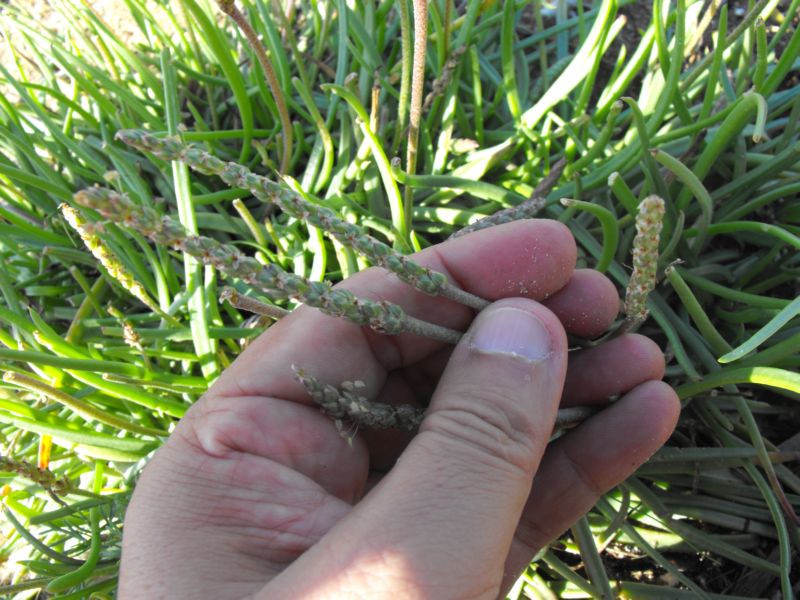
(390, 185)
(610, 229)
(507, 39)
(63, 430)
(732, 294)
(214, 38)
(591, 558)
(768, 376)
(788, 313)
(695, 310)
(579, 67)
(85, 410)
(194, 273)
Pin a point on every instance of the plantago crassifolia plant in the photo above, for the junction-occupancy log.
(529, 114)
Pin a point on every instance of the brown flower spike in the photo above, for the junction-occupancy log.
(649, 222)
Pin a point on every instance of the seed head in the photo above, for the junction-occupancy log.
(649, 222)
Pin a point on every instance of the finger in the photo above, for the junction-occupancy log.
(587, 305)
(534, 258)
(581, 466)
(287, 433)
(441, 522)
(250, 515)
(612, 368)
(593, 375)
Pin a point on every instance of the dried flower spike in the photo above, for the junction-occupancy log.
(649, 221)
(129, 334)
(525, 210)
(384, 316)
(548, 182)
(345, 404)
(293, 204)
(439, 85)
(43, 477)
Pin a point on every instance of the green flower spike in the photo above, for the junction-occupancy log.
(268, 191)
(383, 317)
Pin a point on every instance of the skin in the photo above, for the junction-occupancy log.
(256, 495)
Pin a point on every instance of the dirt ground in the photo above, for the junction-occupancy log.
(113, 12)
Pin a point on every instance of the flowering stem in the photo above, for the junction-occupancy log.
(230, 9)
(417, 85)
(111, 263)
(266, 190)
(383, 317)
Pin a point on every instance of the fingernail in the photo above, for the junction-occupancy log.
(511, 331)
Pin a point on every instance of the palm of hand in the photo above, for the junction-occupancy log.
(254, 477)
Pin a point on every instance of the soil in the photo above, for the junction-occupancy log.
(113, 12)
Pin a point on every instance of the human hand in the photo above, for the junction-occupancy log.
(256, 495)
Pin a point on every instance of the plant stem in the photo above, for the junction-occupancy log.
(417, 85)
(405, 73)
(252, 305)
(230, 9)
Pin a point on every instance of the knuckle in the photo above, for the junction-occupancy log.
(583, 476)
(212, 426)
(495, 426)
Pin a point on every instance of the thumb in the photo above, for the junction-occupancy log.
(440, 524)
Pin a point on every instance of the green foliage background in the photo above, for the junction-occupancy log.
(695, 104)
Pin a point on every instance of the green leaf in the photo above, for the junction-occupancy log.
(763, 334)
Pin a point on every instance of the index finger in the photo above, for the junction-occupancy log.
(531, 259)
